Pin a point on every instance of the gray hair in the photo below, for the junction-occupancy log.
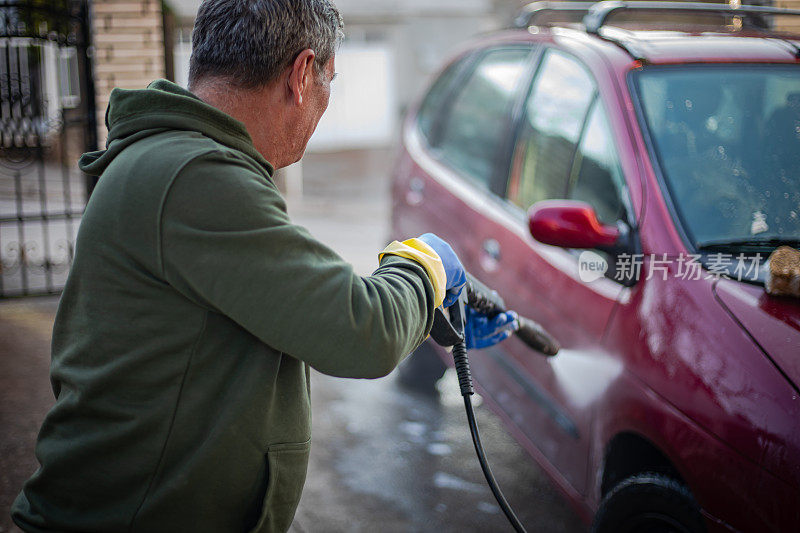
(250, 42)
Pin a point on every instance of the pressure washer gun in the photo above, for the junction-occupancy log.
(448, 330)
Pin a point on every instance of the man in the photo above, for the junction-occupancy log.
(194, 307)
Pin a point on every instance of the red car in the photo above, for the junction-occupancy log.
(624, 186)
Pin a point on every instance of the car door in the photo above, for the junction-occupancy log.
(563, 150)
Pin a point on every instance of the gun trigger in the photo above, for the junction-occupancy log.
(443, 332)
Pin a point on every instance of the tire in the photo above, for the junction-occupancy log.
(649, 503)
(422, 369)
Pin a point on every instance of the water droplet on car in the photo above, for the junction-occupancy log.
(439, 448)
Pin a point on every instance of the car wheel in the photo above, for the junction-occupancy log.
(652, 503)
(422, 369)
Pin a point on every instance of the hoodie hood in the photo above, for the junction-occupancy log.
(135, 114)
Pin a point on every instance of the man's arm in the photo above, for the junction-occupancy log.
(228, 244)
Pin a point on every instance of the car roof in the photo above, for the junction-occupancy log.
(699, 45)
(669, 32)
(653, 45)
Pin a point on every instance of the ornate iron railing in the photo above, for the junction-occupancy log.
(47, 118)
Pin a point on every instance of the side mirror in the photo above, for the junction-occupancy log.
(570, 224)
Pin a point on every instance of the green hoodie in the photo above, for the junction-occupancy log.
(183, 337)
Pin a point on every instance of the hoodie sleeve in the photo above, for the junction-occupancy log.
(228, 244)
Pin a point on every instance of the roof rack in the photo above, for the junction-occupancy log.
(599, 12)
(528, 14)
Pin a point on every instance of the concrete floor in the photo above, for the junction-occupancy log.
(25, 395)
(387, 459)
(384, 458)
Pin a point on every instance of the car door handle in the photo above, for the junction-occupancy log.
(416, 191)
(491, 248)
(490, 256)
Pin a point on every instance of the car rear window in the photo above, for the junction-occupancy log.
(431, 107)
(479, 116)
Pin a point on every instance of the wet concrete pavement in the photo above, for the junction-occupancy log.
(388, 459)
(25, 395)
(384, 458)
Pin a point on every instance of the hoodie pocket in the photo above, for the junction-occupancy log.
(287, 465)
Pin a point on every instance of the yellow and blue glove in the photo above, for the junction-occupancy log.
(454, 271)
(440, 262)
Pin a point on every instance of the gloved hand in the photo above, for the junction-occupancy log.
(456, 277)
(481, 331)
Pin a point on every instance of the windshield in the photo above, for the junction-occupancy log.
(727, 139)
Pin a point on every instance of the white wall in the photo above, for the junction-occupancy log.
(362, 108)
(181, 54)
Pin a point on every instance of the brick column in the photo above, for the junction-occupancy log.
(129, 48)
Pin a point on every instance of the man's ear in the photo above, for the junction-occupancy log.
(301, 74)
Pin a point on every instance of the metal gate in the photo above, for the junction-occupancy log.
(47, 105)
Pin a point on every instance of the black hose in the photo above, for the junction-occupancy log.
(465, 382)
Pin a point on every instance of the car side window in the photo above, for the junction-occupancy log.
(431, 109)
(554, 117)
(597, 175)
(475, 126)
